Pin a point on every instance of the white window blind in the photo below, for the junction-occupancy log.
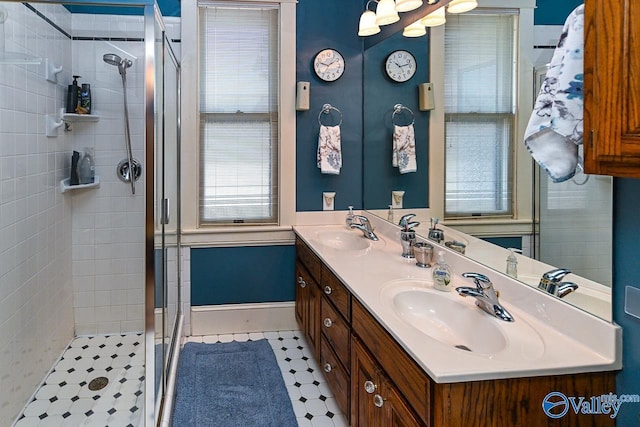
(479, 113)
(238, 114)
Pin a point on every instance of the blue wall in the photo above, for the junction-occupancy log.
(321, 25)
(626, 272)
(554, 12)
(380, 95)
(248, 274)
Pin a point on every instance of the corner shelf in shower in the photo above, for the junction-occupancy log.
(75, 118)
(65, 186)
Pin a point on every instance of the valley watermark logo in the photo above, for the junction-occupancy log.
(557, 405)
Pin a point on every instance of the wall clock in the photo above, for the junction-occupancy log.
(400, 66)
(328, 65)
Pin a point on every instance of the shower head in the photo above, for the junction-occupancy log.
(113, 59)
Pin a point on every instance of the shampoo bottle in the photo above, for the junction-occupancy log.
(442, 274)
(85, 99)
(73, 93)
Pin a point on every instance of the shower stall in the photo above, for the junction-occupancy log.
(90, 304)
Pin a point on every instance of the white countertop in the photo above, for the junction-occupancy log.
(548, 336)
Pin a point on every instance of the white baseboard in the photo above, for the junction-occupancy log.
(239, 318)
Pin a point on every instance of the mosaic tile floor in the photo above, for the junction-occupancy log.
(312, 400)
(68, 396)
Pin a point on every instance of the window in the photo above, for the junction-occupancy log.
(480, 105)
(238, 114)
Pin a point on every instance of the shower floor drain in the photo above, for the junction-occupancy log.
(98, 383)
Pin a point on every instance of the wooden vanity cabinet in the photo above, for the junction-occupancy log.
(612, 88)
(355, 349)
(323, 311)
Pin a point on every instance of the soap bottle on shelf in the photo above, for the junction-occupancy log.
(512, 263)
(87, 167)
(84, 106)
(390, 214)
(442, 274)
(73, 95)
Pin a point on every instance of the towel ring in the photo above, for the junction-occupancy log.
(397, 109)
(326, 109)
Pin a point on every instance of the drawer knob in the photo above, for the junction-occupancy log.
(301, 282)
(378, 400)
(328, 290)
(327, 367)
(369, 387)
(327, 322)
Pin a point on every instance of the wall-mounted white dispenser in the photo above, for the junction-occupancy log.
(425, 92)
(302, 96)
(328, 199)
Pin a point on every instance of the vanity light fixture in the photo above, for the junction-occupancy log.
(417, 29)
(368, 26)
(386, 12)
(461, 6)
(407, 5)
(435, 18)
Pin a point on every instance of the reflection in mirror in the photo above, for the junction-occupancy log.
(573, 220)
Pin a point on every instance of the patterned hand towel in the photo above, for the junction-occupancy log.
(555, 127)
(404, 149)
(329, 150)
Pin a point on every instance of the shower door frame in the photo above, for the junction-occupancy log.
(150, 9)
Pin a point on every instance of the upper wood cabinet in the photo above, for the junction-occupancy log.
(612, 88)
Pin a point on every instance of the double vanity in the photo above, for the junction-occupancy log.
(395, 351)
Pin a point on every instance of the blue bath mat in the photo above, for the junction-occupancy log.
(231, 384)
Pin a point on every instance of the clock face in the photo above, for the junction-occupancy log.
(329, 65)
(400, 66)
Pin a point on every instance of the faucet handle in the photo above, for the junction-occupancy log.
(404, 220)
(556, 274)
(481, 281)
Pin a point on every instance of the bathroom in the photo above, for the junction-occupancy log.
(78, 257)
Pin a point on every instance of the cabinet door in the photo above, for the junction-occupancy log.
(375, 400)
(397, 412)
(313, 325)
(302, 297)
(612, 87)
(365, 385)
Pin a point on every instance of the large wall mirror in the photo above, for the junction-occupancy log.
(566, 225)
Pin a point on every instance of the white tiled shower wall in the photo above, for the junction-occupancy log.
(108, 223)
(36, 315)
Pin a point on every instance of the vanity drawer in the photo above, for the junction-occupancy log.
(333, 289)
(335, 375)
(309, 259)
(336, 330)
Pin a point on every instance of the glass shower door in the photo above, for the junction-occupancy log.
(167, 201)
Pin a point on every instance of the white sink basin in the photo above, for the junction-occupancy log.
(449, 321)
(341, 239)
(457, 323)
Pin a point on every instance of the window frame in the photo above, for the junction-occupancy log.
(520, 221)
(195, 232)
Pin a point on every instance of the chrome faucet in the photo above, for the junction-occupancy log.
(404, 220)
(552, 283)
(435, 234)
(486, 296)
(362, 223)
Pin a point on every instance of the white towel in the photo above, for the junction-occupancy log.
(555, 127)
(404, 149)
(329, 156)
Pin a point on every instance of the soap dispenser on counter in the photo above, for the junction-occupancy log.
(442, 274)
(512, 263)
